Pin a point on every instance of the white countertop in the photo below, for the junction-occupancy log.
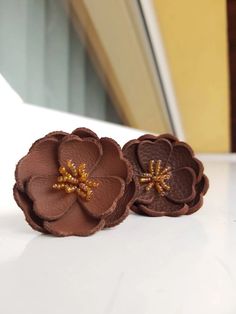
(184, 265)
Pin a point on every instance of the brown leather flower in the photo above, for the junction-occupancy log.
(73, 184)
(170, 179)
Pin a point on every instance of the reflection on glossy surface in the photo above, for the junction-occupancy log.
(145, 265)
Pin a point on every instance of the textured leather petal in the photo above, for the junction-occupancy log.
(76, 221)
(182, 185)
(49, 204)
(201, 189)
(58, 135)
(85, 133)
(112, 163)
(171, 138)
(130, 152)
(78, 150)
(157, 150)
(183, 156)
(26, 205)
(161, 206)
(105, 197)
(40, 161)
(123, 206)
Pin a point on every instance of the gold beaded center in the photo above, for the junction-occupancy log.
(157, 177)
(75, 179)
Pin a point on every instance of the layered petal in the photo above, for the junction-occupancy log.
(153, 150)
(182, 156)
(201, 189)
(123, 205)
(49, 204)
(58, 135)
(135, 208)
(171, 138)
(144, 196)
(182, 185)
(112, 162)
(105, 197)
(26, 205)
(161, 206)
(130, 152)
(41, 160)
(76, 221)
(85, 133)
(86, 151)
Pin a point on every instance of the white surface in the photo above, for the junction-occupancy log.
(8, 95)
(144, 266)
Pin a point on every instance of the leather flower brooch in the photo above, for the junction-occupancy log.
(74, 184)
(170, 180)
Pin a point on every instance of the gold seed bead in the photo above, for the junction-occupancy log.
(158, 167)
(151, 166)
(75, 179)
(156, 177)
(142, 180)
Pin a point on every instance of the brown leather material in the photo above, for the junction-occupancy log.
(187, 183)
(85, 133)
(48, 204)
(76, 221)
(26, 205)
(48, 209)
(88, 151)
(41, 160)
(122, 207)
(111, 154)
(156, 150)
(106, 195)
(201, 190)
(183, 185)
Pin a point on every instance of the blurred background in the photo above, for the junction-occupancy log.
(156, 65)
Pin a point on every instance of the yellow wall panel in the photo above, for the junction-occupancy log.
(195, 40)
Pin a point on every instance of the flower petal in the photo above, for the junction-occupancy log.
(41, 160)
(112, 163)
(49, 204)
(105, 197)
(157, 150)
(130, 152)
(59, 135)
(136, 209)
(84, 133)
(144, 196)
(122, 207)
(183, 156)
(26, 205)
(201, 189)
(171, 138)
(182, 185)
(75, 222)
(149, 137)
(86, 151)
(161, 206)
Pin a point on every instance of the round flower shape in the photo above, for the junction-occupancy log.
(74, 184)
(170, 179)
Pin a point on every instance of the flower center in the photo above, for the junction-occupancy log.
(75, 179)
(157, 177)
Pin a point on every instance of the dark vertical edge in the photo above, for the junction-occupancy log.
(231, 17)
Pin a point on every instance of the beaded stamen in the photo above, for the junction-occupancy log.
(75, 179)
(156, 177)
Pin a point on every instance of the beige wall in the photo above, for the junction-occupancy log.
(195, 39)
